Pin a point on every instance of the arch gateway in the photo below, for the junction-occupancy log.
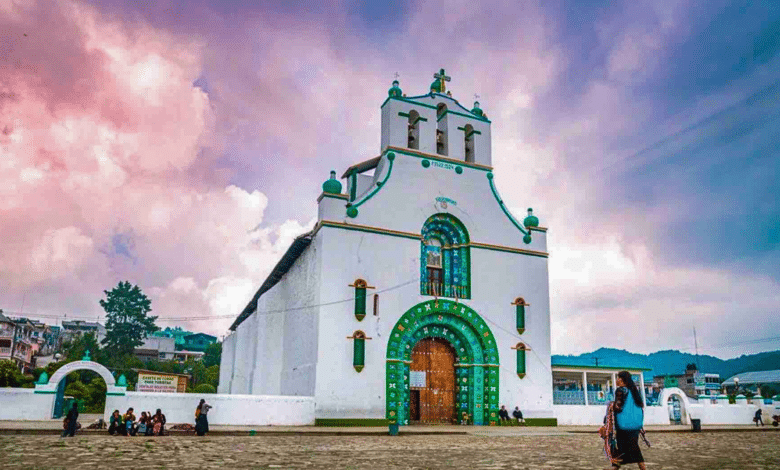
(476, 369)
(52, 385)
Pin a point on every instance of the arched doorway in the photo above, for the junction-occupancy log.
(676, 403)
(55, 384)
(432, 382)
(476, 364)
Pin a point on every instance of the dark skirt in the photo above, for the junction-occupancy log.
(628, 446)
(202, 425)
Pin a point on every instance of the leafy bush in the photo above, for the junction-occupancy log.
(9, 374)
(204, 388)
(77, 390)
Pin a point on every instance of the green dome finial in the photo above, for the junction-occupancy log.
(477, 111)
(531, 220)
(332, 186)
(43, 379)
(122, 382)
(395, 91)
(86, 356)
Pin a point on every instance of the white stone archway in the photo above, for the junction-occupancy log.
(82, 365)
(51, 386)
(685, 412)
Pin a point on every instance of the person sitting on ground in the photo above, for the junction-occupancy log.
(518, 415)
(129, 423)
(159, 423)
(149, 424)
(141, 428)
(503, 413)
(757, 418)
(115, 422)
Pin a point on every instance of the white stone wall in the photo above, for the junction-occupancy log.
(259, 410)
(274, 351)
(572, 415)
(581, 415)
(24, 404)
(226, 367)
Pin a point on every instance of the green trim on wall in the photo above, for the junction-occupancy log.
(115, 394)
(412, 236)
(419, 118)
(503, 207)
(379, 185)
(470, 133)
(349, 422)
(442, 160)
(367, 229)
(463, 115)
(532, 422)
(405, 100)
(352, 186)
(45, 391)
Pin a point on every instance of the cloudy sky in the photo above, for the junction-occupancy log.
(181, 146)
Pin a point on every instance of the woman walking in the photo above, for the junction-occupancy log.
(71, 421)
(624, 424)
(201, 419)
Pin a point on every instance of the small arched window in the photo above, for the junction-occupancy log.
(469, 142)
(441, 129)
(520, 306)
(521, 349)
(358, 349)
(360, 298)
(413, 140)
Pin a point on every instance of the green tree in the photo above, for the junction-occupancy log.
(212, 376)
(213, 355)
(9, 374)
(127, 319)
(77, 390)
(80, 345)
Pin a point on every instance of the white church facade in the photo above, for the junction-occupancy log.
(417, 297)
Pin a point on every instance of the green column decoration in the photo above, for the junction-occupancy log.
(43, 379)
(521, 349)
(359, 349)
(122, 382)
(360, 298)
(520, 306)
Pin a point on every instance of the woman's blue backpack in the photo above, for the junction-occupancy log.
(632, 416)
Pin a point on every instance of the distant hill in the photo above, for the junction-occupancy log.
(674, 362)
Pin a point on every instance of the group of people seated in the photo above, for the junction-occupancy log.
(503, 413)
(147, 425)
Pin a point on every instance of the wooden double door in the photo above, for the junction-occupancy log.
(432, 382)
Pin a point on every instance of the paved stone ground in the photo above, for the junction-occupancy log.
(723, 451)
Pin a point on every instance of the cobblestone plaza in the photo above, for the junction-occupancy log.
(713, 450)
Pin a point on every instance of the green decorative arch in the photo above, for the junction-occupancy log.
(476, 369)
(450, 232)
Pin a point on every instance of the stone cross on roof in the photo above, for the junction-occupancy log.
(442, 78)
